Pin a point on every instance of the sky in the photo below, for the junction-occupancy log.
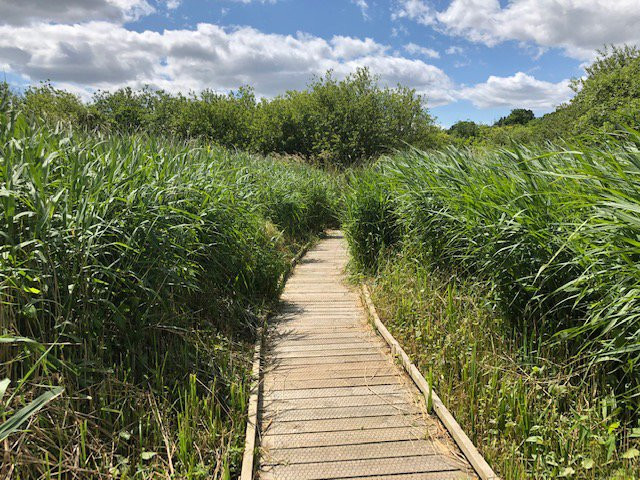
(470, 59)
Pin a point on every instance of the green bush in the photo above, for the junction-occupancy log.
(336, 123)
(517, 116)
(370, 220)
(536, 250)
(609, 95)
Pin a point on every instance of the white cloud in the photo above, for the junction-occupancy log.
(454, 50)
(577, 26)
(414, 49)
(416, 10)
(399, 30)
(253, 1)
(363, 6)
(350, 47)
(14, 12)
(173, 4)
(519, 90)
(103, 55)
(427, 80)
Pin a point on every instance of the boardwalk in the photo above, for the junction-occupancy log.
(334, 404)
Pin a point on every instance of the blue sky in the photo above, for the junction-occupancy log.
(471, 59)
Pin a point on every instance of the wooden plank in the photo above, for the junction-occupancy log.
(319, 403)
(311, 328)
(248, 459)
(349, 320)
(363, 350)
(326, 360)
(307, 347)
(316, 331)
(453, 475)
(351, 452)
(382, 370)
(343, 338)
(297, 297)
(346, 321)
(315, 321)
(318, 307)
(284, 383)
(362, 368)
(355, 437)
(358, 468)
(332, 392)
(300, 312)
(343, 424)
(297, 414)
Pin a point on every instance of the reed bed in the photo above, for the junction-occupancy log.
(541, 247)
(133, 270)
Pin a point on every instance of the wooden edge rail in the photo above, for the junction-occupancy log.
(470, 451)
(251, 435)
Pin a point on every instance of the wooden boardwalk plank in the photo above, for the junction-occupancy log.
(355, 437)
(334, 404)
(333, 392)
(327, 339)
(366, 368)
(356, 468)
(354, 452)
(292, 414)
(454, 475)
(325, 360)
(342, 424)
(284, 383)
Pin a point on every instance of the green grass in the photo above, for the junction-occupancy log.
(552, 235)
(133, 271)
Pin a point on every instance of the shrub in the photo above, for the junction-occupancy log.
(337, 123)
(552, 229)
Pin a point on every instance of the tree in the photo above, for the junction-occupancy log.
(342, 122)
(518, 116)
(609, 95)
(464, 129)
(55, 105)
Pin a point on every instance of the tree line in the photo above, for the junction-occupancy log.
(344, 122)
(332, 121)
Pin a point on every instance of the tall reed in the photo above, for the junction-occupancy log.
(554, 230)
(512, 276)
(132, 272)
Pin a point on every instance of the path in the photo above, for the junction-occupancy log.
(334, 404)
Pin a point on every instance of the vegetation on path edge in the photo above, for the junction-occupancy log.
(512, 275)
